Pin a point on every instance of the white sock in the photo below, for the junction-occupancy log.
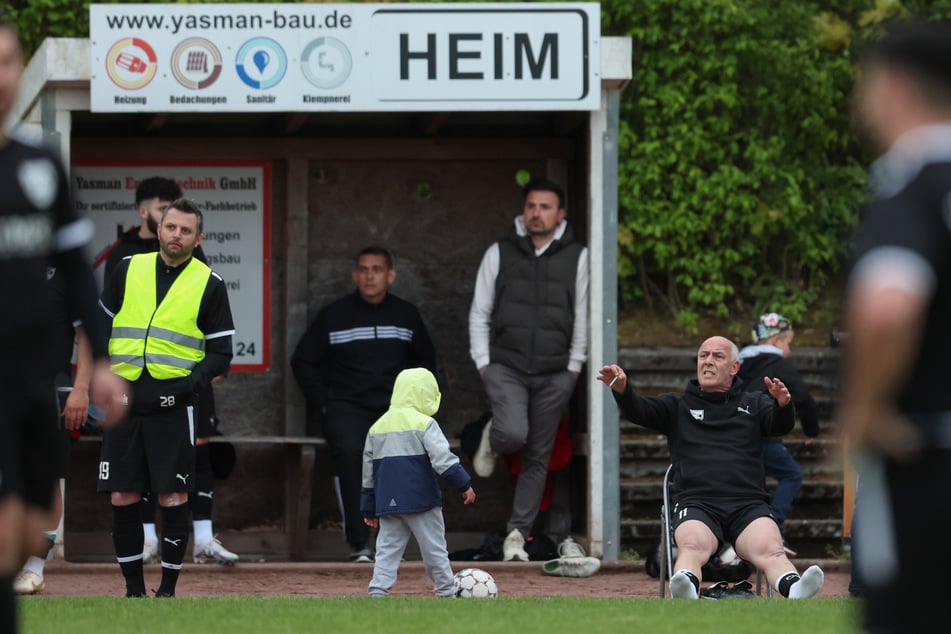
(681, 585)
(150, 534)
(35, 565)
(203, 531)
(808, 585)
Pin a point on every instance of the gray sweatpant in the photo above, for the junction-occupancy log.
(526, 411)
(430, 532)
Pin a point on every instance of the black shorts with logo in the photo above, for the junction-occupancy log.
(727, 518)
(150, 452)
(31, 452)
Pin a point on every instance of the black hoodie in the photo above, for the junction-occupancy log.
(715, 438)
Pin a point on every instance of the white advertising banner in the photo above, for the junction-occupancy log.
(344, 57)
(235, 201)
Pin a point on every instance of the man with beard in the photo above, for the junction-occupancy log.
(152, 197)
(171, 334)
(528, 336)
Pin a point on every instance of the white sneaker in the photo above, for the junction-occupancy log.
(484, 459)
(572, 566)
(513, 548)
(573, 561)
(28, 582)
(150, 552)
(213, 552)
(570, 548)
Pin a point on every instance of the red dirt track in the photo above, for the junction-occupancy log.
(616, 579)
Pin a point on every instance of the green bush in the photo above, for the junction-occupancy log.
(740, 174)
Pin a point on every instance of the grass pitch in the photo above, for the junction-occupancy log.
(396, 615)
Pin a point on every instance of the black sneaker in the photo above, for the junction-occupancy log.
(722, 590)
(129, 594)
(164, 594)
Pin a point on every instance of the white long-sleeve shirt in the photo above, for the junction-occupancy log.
(483, 301)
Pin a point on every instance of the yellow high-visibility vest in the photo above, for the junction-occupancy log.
(164, 338)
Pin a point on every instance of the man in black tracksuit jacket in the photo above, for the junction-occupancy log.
(346, 364)
(715, 432)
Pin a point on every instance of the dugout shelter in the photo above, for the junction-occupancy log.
(309, 131)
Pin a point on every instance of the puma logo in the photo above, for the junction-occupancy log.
(206, 494)
(745, 411)
(183, 478)
(173, 542)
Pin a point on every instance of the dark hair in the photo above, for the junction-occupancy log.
(157, 187)
(377, 250)
(544, 185)
(921, 49)
(187, 206)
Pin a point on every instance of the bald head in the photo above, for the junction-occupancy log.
(717, 364)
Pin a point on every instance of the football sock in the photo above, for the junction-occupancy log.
(8, 605)
(127, 537)
(203, 531)
(35, 565)
(785, 582)
(201, 501)
(148, 509)
(808, 585)
(174, 541)
(684, 585)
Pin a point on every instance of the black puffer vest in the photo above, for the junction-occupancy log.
(534, 310)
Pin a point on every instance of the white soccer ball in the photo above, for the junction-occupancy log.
(474, 583)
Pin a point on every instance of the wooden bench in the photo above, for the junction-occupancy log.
(300, 455)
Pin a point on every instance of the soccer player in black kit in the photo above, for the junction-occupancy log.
(896, 399)
(38, 229)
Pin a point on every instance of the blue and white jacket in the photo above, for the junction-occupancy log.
(405, 450)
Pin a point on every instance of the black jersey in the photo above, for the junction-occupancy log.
(916, 221)
(65, 318)
(38, 229)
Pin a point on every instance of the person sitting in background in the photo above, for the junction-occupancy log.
(768, 357)
(715, 433)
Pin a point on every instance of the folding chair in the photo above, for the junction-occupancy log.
(667, 544)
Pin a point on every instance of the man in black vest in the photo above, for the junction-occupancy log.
(528, 332)
(896, 405)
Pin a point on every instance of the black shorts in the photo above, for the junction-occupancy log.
(31, 451)
(725, 518)
(150, 452)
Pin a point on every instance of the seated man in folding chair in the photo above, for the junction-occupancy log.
(715, 432)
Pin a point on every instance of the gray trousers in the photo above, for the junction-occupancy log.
(430, 532)
(526, 411)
